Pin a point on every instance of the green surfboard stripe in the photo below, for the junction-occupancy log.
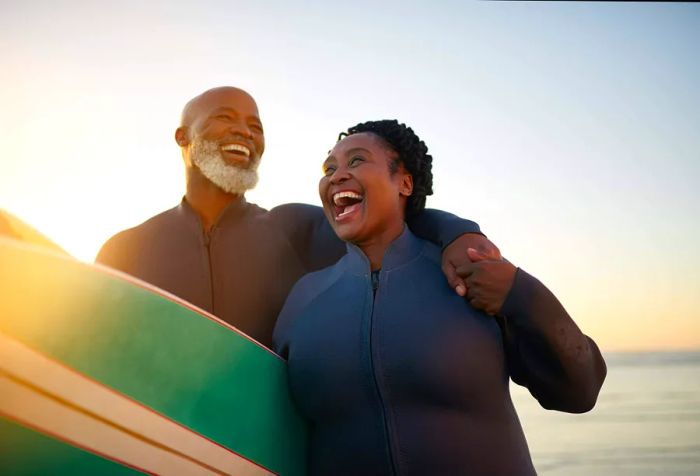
(25, 452)
(168, 357)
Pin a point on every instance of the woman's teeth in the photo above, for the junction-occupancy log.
(346, 202)
(338, 197)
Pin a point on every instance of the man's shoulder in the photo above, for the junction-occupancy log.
(294, 211)
(159, 225)
(292, 219)
(164, 220)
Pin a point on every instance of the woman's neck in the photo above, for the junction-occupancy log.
(375, 248)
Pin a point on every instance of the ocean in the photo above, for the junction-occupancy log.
(646, 421)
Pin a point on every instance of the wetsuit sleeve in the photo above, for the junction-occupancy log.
(439, 227)
(547, 353)
(317, 245)
(309, 233)
(116, 252)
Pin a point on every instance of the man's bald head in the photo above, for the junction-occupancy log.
(223, 107)
(221, 95)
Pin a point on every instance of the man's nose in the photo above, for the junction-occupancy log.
(241, 128)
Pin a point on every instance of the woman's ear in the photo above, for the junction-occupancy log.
(406, 187)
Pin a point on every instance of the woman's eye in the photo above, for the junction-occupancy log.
(328, 171)
(356, 160)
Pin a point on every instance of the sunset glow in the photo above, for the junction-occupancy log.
(567, 131)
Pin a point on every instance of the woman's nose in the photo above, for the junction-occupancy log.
(340, 175)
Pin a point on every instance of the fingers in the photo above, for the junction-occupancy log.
(461, 289)
(454, 280)
(483, 253)
(464, 272)
(489, 250)
(480, 303)
(484, 246)
(476, 255)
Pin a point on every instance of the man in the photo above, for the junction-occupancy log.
(233, 258)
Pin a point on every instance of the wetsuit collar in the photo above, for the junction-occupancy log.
(230, 213)
(401, 250)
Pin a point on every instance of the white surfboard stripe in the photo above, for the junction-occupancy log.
(97, 408)
(48, 416)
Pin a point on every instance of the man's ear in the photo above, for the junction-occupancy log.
(182, 136)
(406, 187)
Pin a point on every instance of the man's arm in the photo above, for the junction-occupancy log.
(317, 245)
(455, 236)
(546, 351)
(309, 233)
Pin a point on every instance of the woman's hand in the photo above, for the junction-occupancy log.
(488, 281)
(456, 255)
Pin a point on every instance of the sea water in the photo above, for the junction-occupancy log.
(646, 421)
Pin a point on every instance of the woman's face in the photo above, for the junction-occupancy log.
(363, 201)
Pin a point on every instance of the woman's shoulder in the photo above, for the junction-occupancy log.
(428, 254)
(306, 289)
(314, 283)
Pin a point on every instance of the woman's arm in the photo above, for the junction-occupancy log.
(546, 351)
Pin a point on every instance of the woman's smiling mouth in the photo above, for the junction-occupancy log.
(345, 203)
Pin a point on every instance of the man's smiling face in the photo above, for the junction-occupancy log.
(224, 138)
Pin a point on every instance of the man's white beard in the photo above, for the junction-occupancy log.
(206, 155)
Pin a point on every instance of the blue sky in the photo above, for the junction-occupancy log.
(567, 130)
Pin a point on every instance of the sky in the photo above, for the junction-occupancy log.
(568, 131)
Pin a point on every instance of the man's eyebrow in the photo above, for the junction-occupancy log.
(224, 109)
(234, 112)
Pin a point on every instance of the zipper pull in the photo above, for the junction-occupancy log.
(375, 280)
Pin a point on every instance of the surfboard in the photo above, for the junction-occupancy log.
(13, 227)
(101, 373)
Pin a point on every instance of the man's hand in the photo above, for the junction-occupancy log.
(455, 256)
(488, 281)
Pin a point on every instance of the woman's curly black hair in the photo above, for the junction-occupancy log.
(412, 153)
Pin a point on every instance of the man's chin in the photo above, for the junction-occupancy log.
(239, 161)
(236, 181)
(228, 177)
(235, 178)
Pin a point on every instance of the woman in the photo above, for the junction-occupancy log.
(396, 373)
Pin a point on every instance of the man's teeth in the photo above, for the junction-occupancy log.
(340, 195)
(238, 148)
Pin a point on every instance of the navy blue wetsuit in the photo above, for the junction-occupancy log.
(406, 378)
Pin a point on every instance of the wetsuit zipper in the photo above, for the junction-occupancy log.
(374, 281)
(210, 271)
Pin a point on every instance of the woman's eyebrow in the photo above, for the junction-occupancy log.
(357, 149)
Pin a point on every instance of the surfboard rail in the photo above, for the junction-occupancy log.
(89, 345)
